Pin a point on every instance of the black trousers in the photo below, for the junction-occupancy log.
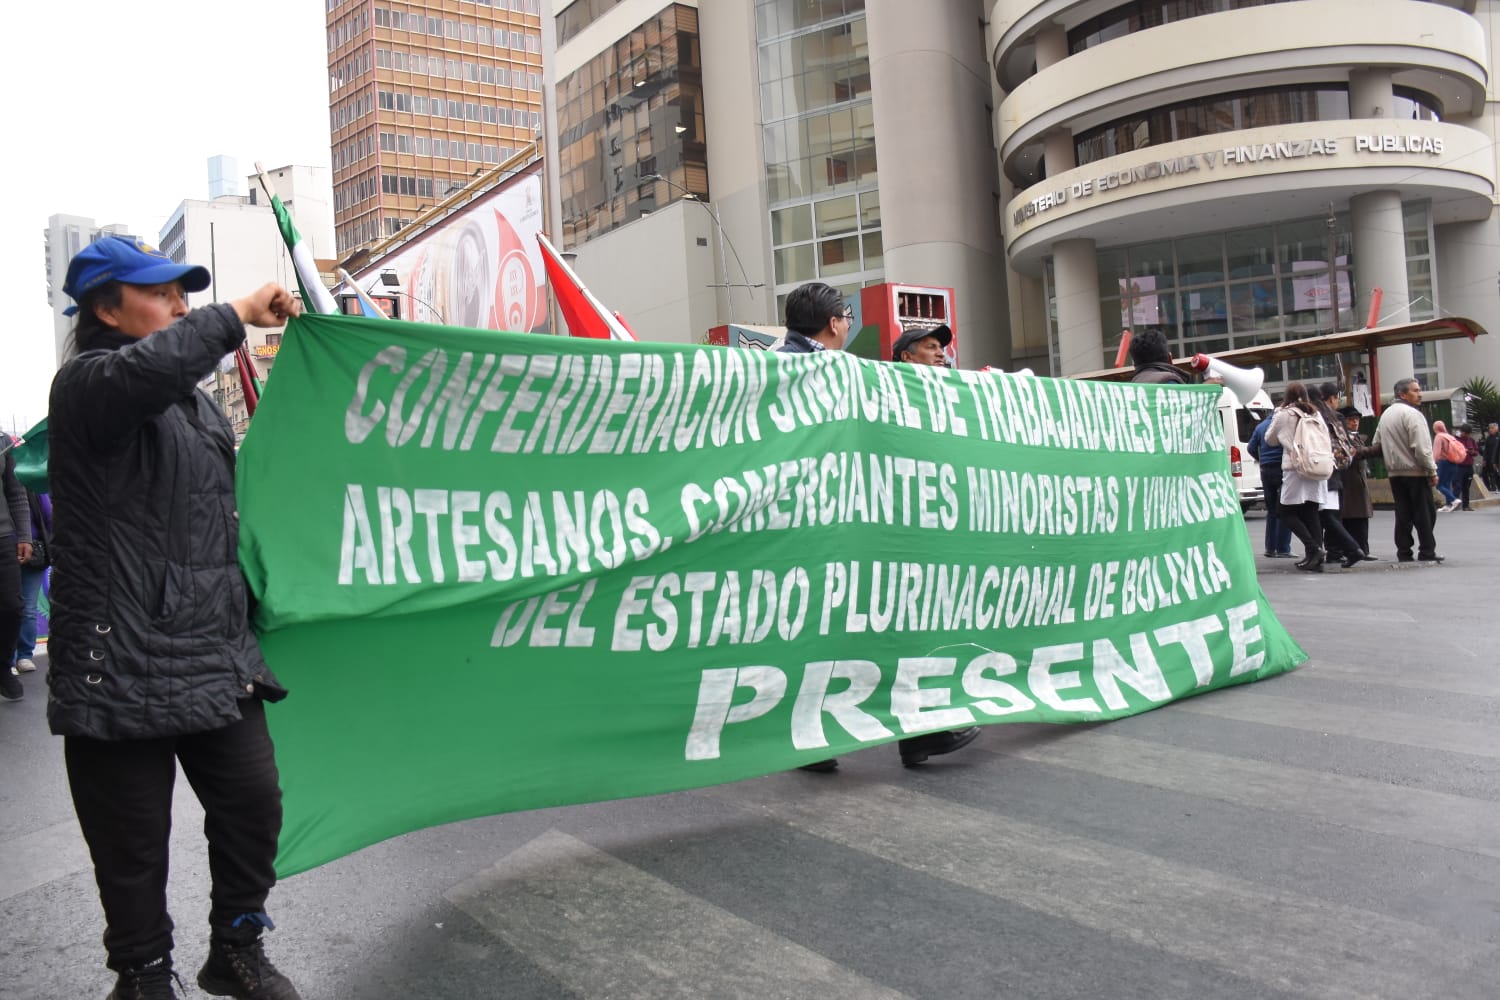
(10, 599)
(1414, 510)
(1359, 530)
(122, 791)
(1336, 538)
(1302, 518)
(1465, 483)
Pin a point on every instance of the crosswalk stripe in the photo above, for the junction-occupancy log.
(1478, 684)
(1243, 928)
(605, 928)
(1323, 613)
(36, 858)
(1414, 814)
(1364, 723)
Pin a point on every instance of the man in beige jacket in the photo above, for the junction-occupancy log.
(1403, 440)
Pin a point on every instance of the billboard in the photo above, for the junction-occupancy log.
(478, 268)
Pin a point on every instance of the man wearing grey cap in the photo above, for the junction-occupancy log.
(923, 347)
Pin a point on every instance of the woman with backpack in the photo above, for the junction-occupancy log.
(1303, 490)
(1449, 453)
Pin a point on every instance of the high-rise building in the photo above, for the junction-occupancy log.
(708, 158)
(64, 236)
(1233, 172)
(422, 97)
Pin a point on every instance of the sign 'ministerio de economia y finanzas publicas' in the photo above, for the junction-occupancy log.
(1221, 160)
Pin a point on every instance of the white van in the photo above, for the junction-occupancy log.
(1239, 422)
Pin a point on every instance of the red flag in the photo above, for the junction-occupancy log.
(249, 384)
(584, 314)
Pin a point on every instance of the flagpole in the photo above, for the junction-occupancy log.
(314, 295)
(600, 322)
(372, 308)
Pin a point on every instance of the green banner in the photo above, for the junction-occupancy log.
(504, 571)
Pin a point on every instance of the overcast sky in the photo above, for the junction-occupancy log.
(113, 110)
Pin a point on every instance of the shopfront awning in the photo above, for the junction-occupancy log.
(1366, 341)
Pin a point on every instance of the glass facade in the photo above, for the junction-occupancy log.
(1421, 288)
(579, 15)
(1232, 112)
(1223, 291)
(633, 111)
(821, 171)
(1142, 15)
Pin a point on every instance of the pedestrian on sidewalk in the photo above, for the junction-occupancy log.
(1466, 464)
(15, 549)
(1278, 533)
(1338, 543)
(1401, 439)
(1448, 453)
(1302, 496)
(1491, 451)
(33, 576)
(152, 661)
(1355, 506)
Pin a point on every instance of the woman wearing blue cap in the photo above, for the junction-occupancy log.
(153, 663)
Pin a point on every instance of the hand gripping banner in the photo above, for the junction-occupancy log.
(507, 571)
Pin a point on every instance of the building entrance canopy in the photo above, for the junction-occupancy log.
(1368, 341)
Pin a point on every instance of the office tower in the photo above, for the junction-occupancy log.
(422, 97)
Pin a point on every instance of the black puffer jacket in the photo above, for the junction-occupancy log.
(150, 631)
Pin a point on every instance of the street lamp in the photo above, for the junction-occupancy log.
(724, 240)
(390, 279)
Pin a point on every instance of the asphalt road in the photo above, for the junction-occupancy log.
(1330, 833)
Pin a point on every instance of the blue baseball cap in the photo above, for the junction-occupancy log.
(127, 259)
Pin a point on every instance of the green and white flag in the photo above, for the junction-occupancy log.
(501, 572)
(316, 297)
(31, 458)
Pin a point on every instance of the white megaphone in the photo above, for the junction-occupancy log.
(1243, 382)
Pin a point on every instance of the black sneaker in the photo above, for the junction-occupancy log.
(10, 685)
(242, 970)
(151, 981)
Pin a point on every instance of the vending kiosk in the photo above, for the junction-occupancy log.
(888, 310)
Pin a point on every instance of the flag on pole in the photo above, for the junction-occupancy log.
(249, 381)
(585, 315)
(31, 458)
(367, 306)
(314, 295)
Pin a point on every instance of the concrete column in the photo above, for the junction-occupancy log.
(1380, 261)
(1080, 340)
(1051, 46)
(930, 85)
(1370, 93)
(1075, 271)
(1059, 153)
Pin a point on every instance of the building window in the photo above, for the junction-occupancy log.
(1232, 113)
(1264, 284)
(822, 174)
(1146, 14)
(634, 110)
